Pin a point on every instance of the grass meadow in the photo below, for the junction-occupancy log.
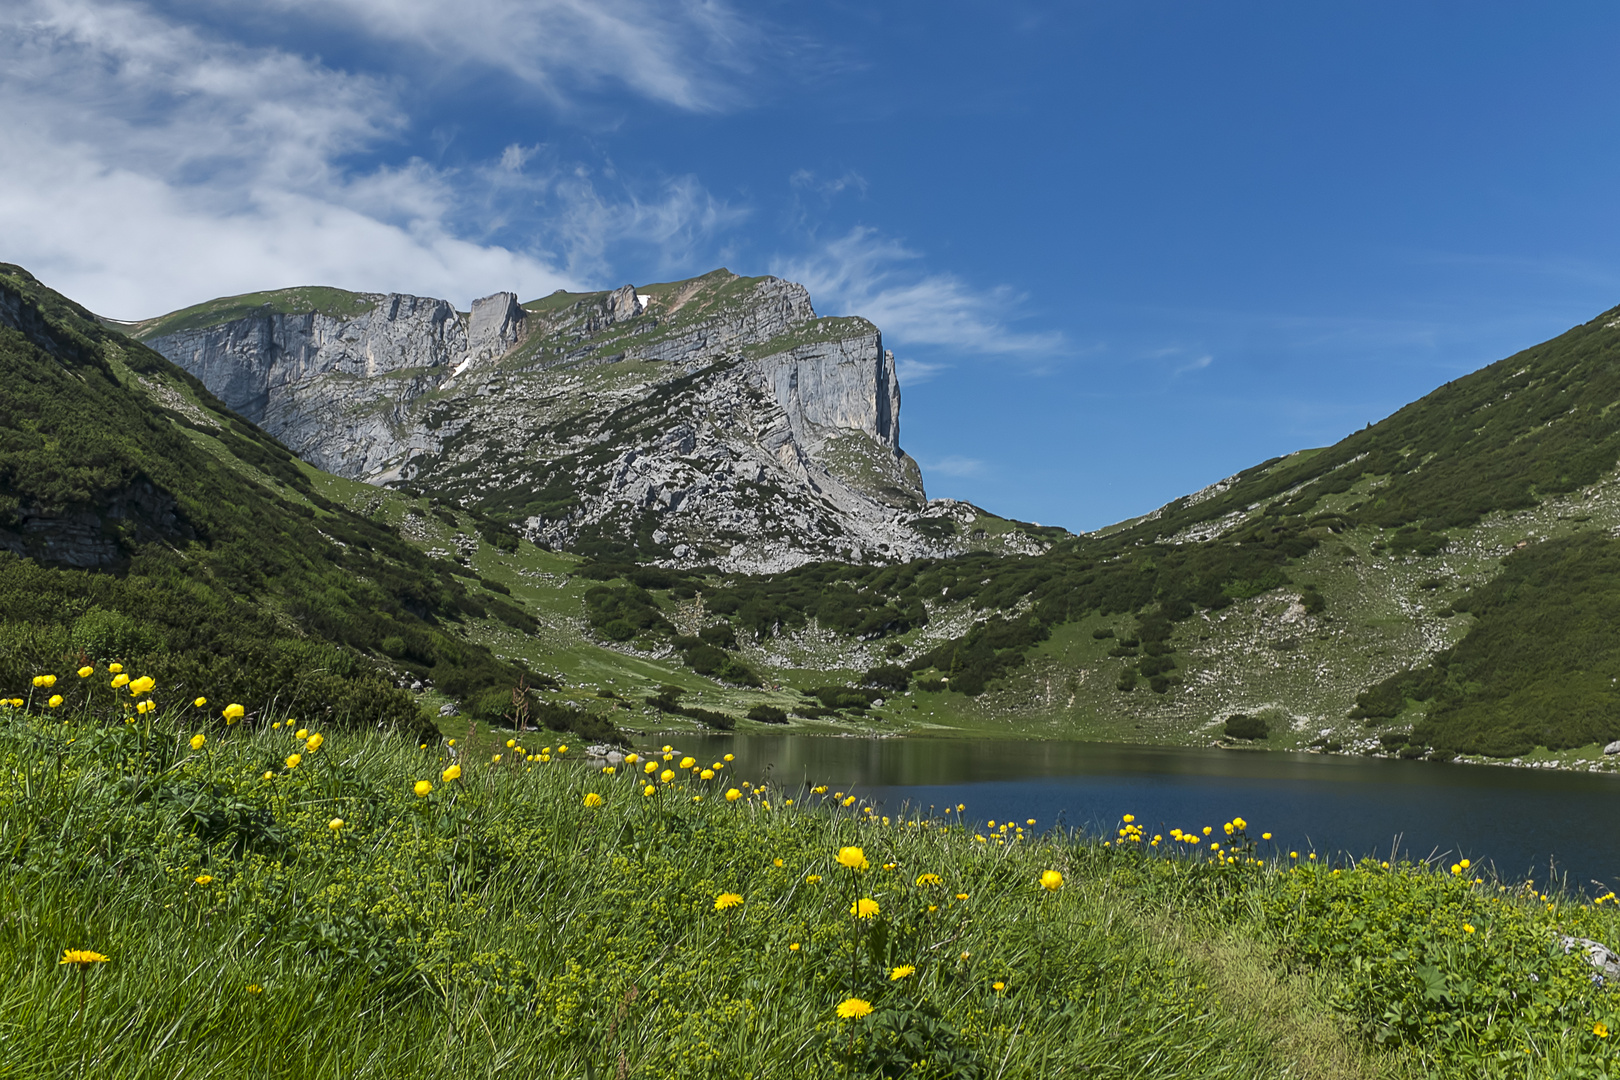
(189, 891)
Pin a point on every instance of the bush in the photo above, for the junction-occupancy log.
(1244, 726)
(767, 714)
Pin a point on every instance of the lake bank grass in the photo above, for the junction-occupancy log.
(292, 902)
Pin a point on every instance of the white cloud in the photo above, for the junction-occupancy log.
(912, 372)
(955, 465)
(148, 165)
(1198, 364)
(862, 273)
(679, 52)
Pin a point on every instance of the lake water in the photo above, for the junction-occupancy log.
(1527, 823)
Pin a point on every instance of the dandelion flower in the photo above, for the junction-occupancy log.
(854, 858)
(86, 671)
(727, 900)
(904, 971)
(422, 788)
(864, 908)
(255, 988)
(293, 760)
(733, 795)
(1051, 880)
(83, 958)
(233, 712)
(197, 741)
(335, 824)
(929, 879)
(592, 799)
(853, 1008)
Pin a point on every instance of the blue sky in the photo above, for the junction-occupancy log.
(1121, 249)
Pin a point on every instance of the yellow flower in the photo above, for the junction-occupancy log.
(853, 1008)
(1468, 928)
(255, 988)
(82, 957)
(447, 742)
(592, 799)
(650, 768)
(197, 741)
(929, 879)
(853, 857)
(811, 879)
(335, 824)
(233, 712)
(777, 862)
(452, 773)
(423, 788)
(608, 770)
(200, 702)
(1127, 819)
(510, 743)
(45, 681)
(268, 775)
(562, 749)
(114, 669)
(314, 743)
(1265, 836)
(793, 947)
(667, 775)
(864, 908)
(1208, 830)
(303, 733)
(819, 789)
(706, 774)
(1051, 880)
(727, 900)
(849, 801)
(54, 700)
(961, 896)
(904, 971)
(143, 685)
(120, 680)
(86, 671)
(204, 879)
(145, 707)
(730, 757)
(1600, 1029)
(733, 795)
(688, 762)
(293, 760)
(998, 987)
(631, 759)
(494, 759)
(649, 790)
(1293, 854)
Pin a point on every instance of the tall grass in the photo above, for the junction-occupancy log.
(322, 919)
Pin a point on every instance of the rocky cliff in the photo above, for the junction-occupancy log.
(717, 419)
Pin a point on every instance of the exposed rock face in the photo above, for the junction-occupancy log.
(711, 420)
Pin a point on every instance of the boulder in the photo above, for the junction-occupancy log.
(1604, 960)
(1612, 748)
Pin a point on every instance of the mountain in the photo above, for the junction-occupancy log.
(141, 520)
(715, 421)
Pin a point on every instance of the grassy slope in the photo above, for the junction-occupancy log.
(322, 921)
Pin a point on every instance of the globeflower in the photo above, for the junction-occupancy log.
(54, 700)
(727, 900)
(733, 795)
(143, 685)
(200, 702)
(314, 743)
(650, 768)
(452, 773)
(86, 671)
(45, 681)
(204, 879)
(303, 733)
(114, 669)
(864, 908)
(423, 788)
(293, 760)
(1600, 1029)
(335, 824)
(706, 774)
(649, 791)
(592, 799)
(1051, 880)
(853, 1008)
(854, 858)
(631, 759)
(197, 741)
(667, 775)
(688, 762)
(233, 712)
(145, 707)
(119, 681)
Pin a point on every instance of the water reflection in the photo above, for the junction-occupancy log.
(1522, 821)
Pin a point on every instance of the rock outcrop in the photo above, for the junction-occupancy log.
(712, 420)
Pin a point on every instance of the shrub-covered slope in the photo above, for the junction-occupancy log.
(142, 521)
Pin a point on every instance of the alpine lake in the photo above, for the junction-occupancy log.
(1556, 828)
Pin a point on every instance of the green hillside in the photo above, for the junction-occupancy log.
(142, 522)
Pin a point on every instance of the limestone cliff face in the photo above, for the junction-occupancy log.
(710, 420)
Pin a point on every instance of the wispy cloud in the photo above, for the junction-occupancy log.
(1198, 364)
(912, 372)
(149, 164)
(955, 466)
(864, 273)
(682, 53)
